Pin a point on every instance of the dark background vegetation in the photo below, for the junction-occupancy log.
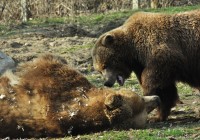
(11, 10)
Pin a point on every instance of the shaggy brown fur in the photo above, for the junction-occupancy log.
(46, 98)
(161, 49)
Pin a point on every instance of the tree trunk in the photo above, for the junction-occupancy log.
(148, 2)
(167, 3)
(135, 4)
(24, 11)
(155, 4)
(3, 6)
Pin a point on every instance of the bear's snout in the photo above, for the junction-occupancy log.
(108, 84)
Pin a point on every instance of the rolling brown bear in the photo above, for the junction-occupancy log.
(46, 98)
(161, 49)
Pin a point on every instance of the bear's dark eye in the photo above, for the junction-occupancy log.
(100, 71)
(104, 67)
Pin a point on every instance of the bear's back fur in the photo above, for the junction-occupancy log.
(35, 97)
(46, 98)
(177, 35)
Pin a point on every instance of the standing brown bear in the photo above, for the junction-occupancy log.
(161, 49)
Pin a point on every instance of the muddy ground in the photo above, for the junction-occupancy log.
(75, 44)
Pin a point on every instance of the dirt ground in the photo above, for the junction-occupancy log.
(24, 47)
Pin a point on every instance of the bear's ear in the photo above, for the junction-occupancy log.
(108, 40)
(113, 101)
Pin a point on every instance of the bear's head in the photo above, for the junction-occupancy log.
(112, 57)
(126, 109)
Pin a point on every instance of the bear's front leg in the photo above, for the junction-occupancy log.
(157, 82)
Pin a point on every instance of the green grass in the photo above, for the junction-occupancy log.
(184, 89)
(164, 133)
(3, 29)
(96, 19)
(78, 47)
(172, 10)
(132, 83)
(105, 18)
(47, 21)
(72, 49)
